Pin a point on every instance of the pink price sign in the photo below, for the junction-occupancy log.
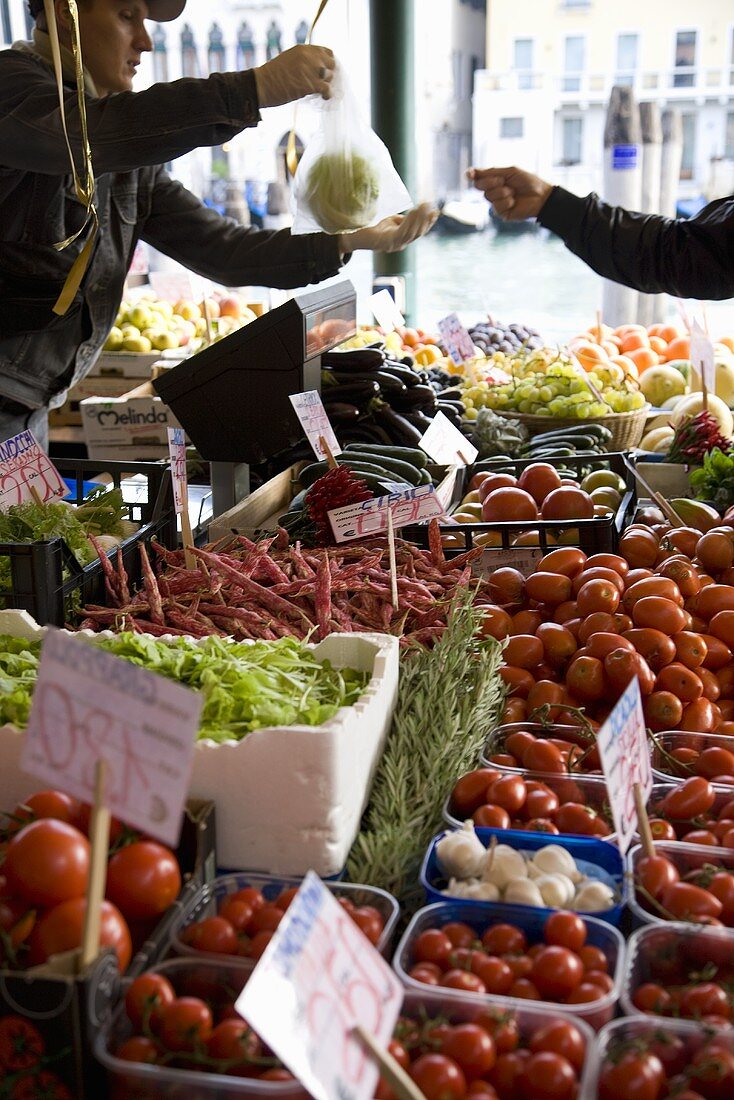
(27, 473)
(625, 761)
(317, 980)
(370, 516)
(89, 705)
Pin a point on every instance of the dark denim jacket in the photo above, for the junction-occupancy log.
(131, 134)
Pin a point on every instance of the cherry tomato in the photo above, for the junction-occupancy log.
(560, 1037)
(661, 829)
(656, 874)
(143, 880)
(504, 939)
(705, 999)
(235, 1042)
(370, 922)
(651, 997)
(438, 1077)
(540, 803)
(508, 1074)
(712, 1071)
(715, 761)
(138, 1049)
(43, 804)
(542, 756)
(47, 862)
(685, 901)
(432, 946)
(492, 817)
(694, 797)
(556, 972)
(460, 934)
(472, 1048)
(21, 1045)
(145, 1000)
(494, 972)
(186, 1024)
(565, 930)
(508, 792)
(470, 792)
(258, 943)
(550, 1076)
(265, 919)
(634, 1076)
(525, 990)
(428, 973)
(40, 1085)
(238, 913)
(60, 929)
(213, 935)
(722, 888)
(464, 980)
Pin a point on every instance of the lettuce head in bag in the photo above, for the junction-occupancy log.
(345, 179)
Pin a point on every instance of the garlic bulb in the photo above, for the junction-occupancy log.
(523, 892)
(504, 865)
(557, 891)
(593, 897)
(461, 854)
(553, 860)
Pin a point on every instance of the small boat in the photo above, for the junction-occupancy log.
(458, 217)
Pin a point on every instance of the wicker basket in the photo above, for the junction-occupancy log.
(627, 428)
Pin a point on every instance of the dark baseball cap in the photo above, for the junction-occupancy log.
(162, 11)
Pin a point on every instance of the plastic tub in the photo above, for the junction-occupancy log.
(664, 769)
(595, 858)
(671, 941)
(496, 741)
(127, 1080)
(686, 857)
(599, 934)
(722, 795)
(206, 902)
(431, 1002)
(630, 1028)
(590, 790)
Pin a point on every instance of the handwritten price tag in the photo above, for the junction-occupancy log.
(526, 560)
(370, 516)
(24, 469)
(458, 342)
(625, 761)
(702, 357)
(385, 312)
(314, 421)
(445, 444)
(89, 705)
(319, 978)
(179, 477)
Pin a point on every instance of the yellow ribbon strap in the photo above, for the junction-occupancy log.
(84, 189)
(291, 155)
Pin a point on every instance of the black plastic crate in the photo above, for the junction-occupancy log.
(37, 582)
(593, 536)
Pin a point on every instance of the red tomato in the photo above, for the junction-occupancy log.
(597, 595)
(47, 862)
(509, 1073)
(550, 1076)
(370, 922)
(496, 623)
(712, 1071)
(682, 681)
(472, 1048)
(656, 874)
(556, 972)
(694, 797)
(540, 803)
(698, 716)
(622, 665)
(715, 761)
(565, 930)
(597, 573)
(685, 901)
(508, 792)
(705, 999)
(574, 817)
(539, 479)
(506, 585)
(609, 561)
(433, 946)
(602, 643)
(652, 586)
(560, 1037)
(235, 1042)
(494, 972)
(464, 980)
(585, 679)
(525, 990)
(634, 1076)
(495, 481)
(523, 651)
(567, 503)
(143, 880)
(651, 997)
(722, 887)
(438, 1077)
(470, 792)
(559, 644)
(548, 588)
(542, 756)
(566, 560)
(460, 934)
(504, 939)
(145, 1000)
(138, 1049)
(21, 1045)
(213, 935)
(187, 1023)
(42, 804)
(659, 613)
(492, 817)
(60, 929)
(427, 973)
(690, 649)
(663, 710)
(508, 504)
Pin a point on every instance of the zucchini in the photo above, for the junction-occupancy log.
(414, 455)
(403, 470)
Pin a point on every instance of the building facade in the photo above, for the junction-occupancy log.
(541, 100)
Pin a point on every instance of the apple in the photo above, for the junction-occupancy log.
(231, 306)
(130, 331)
(141, 316)
(163, 341)
(186, 330)
(139, 344)
(114, 340)
(188, 310)
(165, 309)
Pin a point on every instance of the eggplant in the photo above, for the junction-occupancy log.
(419, 397)
(419, 419)
(351, 393)
(356, 359)
(342, 413)
(400, 430)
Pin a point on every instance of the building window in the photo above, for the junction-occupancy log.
(245, 47)
(216, 54)
(511, 127)
(572, 135)
(573, 62)
(729, 136)
(160, 55)
(627, 45)
(5, 22)
(522, 61)
(685, 59)
(189, 60)
(301, 33)
(688, 159)
(274, 42)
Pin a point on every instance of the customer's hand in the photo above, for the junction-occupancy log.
(300, 71)
(514, 194)
(391, 234)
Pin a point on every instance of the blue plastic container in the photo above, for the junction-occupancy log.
(598, 934)
(595, 858)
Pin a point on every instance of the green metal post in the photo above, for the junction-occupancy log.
(392, 32)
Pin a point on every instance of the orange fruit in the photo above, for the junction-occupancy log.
(678, 348)
(628, 365)
(728, 342)
(644, 358)
(590, 355)
(631, 341)
(656, 330)
(668, 333)
(658, 344)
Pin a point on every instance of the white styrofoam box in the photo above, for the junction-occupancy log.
(289, 799)
(115, 422)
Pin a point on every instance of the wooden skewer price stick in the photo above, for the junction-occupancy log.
(402, 1085)
(331, 462)
(208, 321)
(100, 842)
(392, 557)
(704, 390)
(599, 326)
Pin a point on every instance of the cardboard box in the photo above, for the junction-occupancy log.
(126, 364)
(134, 423)
(70, 415)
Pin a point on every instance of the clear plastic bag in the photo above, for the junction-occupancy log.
(346, 179)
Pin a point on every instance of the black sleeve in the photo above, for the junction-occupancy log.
(219, 249)
(689, 258)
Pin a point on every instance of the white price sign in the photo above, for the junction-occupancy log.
(385, 311)
(175, 286)
(369, 517)
(702, 357)
(89, 705)
(318, 979)
(625, 761)
(445, 444)
(459, 343)
(27, 473)
(179, 477)
(316, 424)
(523, 558)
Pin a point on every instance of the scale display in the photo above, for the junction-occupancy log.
(232, 398)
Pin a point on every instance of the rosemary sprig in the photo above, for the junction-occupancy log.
(448, 699)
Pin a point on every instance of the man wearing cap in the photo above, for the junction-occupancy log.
(44, 351)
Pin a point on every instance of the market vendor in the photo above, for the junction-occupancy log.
(42, 351)
(687, 257)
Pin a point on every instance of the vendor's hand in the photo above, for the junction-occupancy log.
(514, 194)
(391, 234)
(300, 71)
